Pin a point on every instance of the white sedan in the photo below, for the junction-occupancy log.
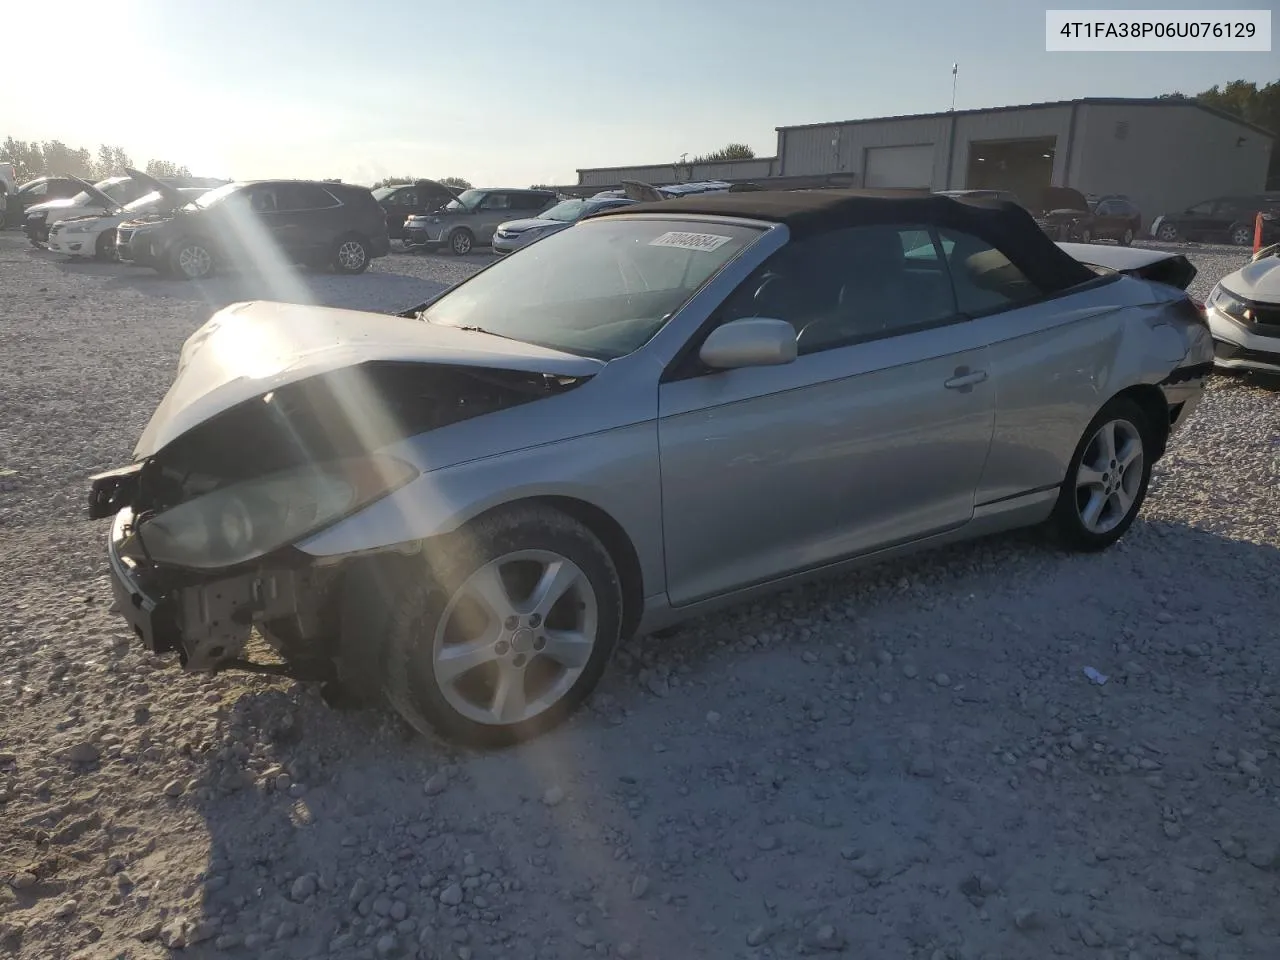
(95, 236)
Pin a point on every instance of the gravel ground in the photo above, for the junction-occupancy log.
(908, 763)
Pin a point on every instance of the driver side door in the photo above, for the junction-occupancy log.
(864, 441)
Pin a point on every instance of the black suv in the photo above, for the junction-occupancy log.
(321, 224)
(1223, 218)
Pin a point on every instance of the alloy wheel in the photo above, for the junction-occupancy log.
(515, 637)
(1242, 236)
(195, 261)
(461, 243)
(351, 255)
(1109, 477)
(1128, 237)
(1168, 232)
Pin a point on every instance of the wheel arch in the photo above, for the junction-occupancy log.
(611, 534)
(1151, 400)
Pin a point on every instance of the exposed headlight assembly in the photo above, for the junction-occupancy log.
(1224, 302)
(247, 520)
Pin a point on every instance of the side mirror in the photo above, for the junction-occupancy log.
(749, 342)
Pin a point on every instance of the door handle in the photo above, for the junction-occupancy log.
(965, 379)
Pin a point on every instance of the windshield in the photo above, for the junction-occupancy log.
(466, 200)
(213, 196)
(600, 289)
(565, 210)
(383, 192)
(113, 188)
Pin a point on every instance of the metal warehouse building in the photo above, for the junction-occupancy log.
(1164, 154)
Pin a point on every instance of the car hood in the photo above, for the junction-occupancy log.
(1258, 281)
(52, 207)
(172, 196)
(247, 350)
(1060, 199)
(520, 226)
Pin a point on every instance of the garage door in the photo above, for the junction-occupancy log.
(900, 166)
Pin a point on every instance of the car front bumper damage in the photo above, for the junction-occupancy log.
(207, 619)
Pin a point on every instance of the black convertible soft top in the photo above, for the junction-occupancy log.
(1006, 226)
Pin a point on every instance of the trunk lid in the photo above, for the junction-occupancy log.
(247, 350)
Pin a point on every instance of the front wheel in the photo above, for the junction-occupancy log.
(1126, 238)
(351, 256)
(1106, 480)
(461, 242)
(191, 260)
(105, 248)
(500, 633)
(1086, 235)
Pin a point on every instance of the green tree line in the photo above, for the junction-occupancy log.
(53, 157)
(1248, 101)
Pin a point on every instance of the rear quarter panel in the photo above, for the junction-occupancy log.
(1057, 363)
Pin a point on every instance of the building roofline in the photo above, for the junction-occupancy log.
(1099, 101)
(677, 163)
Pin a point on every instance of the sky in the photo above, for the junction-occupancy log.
(510, 93)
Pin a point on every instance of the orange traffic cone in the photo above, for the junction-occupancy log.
(1257, 232)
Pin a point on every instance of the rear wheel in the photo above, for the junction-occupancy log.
(351, 256)
(191, 260)
(502, 631)
(461, 241)
(1126, 238)
(1241, 235)
(1086, 235)
(1107, 478)
(1168, 232)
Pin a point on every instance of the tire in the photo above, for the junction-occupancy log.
(461, 242)
(1086, 235)
(1167, 233)
(1126, 238)
(428, 608)
(1091, 478)
(350, 255)
(1241, 235)
(191, 260)
(105, 247)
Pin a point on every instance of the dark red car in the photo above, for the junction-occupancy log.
(1066, 215)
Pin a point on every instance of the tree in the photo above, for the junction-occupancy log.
(391, 182)
(27, 159)
(59, 159)
(730, 151)
(165, 168)
(458, 183)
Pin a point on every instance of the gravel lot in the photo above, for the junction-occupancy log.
(907, 763)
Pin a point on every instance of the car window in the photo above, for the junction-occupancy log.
(529, 201)
(303, 196)
(496, 201)
(601, 289)
(1202, 209)
(849, 286)
(36, 189)
(984, 279)
(1107, 208)
(262, 198)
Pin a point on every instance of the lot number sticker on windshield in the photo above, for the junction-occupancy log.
(690, 241)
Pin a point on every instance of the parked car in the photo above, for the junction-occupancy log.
(1244, 315)
(471, 218)
(39, 190)
(1223, 219)
(404, 200)
(514, 234)
(92, 199)
(321, 224)
(95, 236)
(663, 408)
(1067, 215)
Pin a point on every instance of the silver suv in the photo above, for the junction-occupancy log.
(471, 219)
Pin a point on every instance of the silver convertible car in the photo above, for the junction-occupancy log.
(663, 408)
